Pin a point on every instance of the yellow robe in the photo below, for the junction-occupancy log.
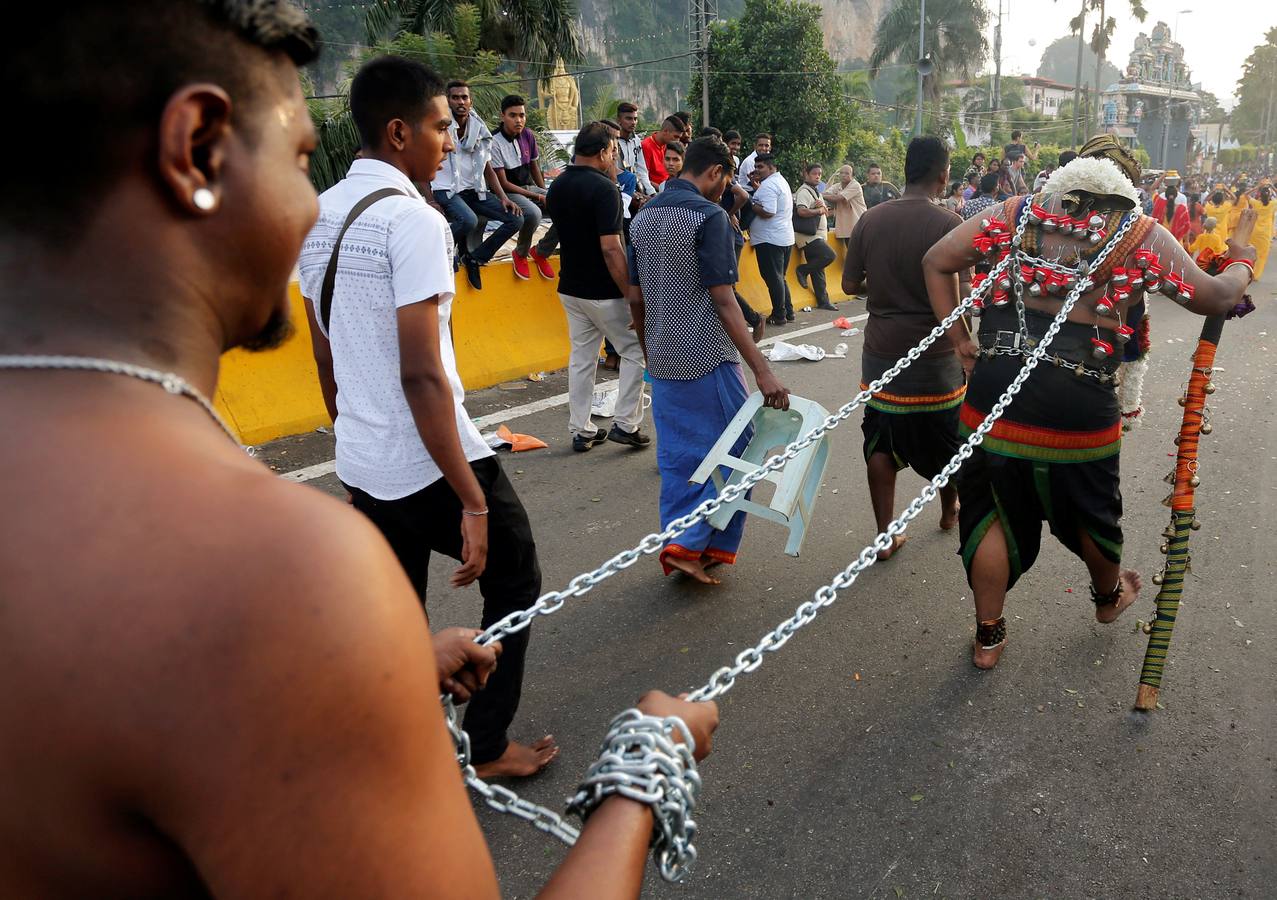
(1235, 211)
(1263, 236)
(1208, 240)
(1221, 215)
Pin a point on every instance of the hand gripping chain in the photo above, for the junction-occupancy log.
(675, 855)
(641, 760)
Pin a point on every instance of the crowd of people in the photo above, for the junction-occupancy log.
(232, 690)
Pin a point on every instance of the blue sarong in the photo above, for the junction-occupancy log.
(689, 417)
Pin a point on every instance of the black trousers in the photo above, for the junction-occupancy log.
(773, 262)
(430, 520)
(752, 318)
(817, 255)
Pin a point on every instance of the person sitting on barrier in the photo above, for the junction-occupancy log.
(682, 268)
(515, 162)
(1053, 455)
(218, 683)
(407, 452)
(466, 189)
(913, 421)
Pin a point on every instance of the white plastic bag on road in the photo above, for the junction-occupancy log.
(603, 403)
(784, 352)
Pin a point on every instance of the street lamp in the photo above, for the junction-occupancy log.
(924, 65)
(1170, 83)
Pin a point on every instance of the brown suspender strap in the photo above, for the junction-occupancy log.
(330, 273)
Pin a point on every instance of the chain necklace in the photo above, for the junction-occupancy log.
(171, 382)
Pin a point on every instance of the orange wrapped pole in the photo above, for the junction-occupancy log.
(1183, 515)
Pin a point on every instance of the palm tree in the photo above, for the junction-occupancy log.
(955, 39)
(534, 33)
(1102, 38)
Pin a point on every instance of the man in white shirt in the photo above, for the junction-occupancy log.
(466, 188)
(762, 144)
(629, 146)
(407, 452)
(771, 234)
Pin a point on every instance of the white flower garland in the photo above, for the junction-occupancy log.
(1095, 175)
(1130, 392)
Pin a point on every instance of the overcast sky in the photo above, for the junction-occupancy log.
(1239, 24)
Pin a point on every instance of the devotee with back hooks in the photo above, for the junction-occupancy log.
(1054, 454)
(229, 688)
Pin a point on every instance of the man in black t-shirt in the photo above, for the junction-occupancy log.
(585, 203)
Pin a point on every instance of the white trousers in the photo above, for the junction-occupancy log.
(589, 322)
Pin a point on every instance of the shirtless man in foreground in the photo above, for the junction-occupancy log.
(216, 683)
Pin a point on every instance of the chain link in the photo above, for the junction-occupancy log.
(553, 601)
(750, 659)
(674, 866)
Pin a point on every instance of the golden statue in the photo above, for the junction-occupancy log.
(562, 100)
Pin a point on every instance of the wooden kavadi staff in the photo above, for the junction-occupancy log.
(1183, 511)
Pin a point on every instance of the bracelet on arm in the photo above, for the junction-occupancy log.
(1237, 262)
(641, 760)
(476, 513)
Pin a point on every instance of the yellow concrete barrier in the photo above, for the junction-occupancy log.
(509, 330)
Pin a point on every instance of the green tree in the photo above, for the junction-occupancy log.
(454, 54)
(535, 32)
(954, 36)
(1102, 35)
(1255, 116)
(802, 107)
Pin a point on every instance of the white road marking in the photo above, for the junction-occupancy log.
(319, 470)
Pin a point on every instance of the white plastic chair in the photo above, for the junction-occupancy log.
(796, 484)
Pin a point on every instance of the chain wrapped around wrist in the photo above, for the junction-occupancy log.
(641, 760)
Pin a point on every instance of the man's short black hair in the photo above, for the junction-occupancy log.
(989, 183)
(873, 165)
(107, 70)
(731, 135)
(454, 84)
(673, 123)
(611, 124)
(592, 140)
(711, 131)
(510, 100)
(1017, 134)
(626, 106)
(386, 88)
(762, 134)
(768, 158)
(813, 165)
(926, 159)
(677, 147)
(704, 153)
(1066, 157)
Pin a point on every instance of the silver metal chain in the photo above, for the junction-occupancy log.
(504, 800)
(171, 382)
(752, 657)
(640, 759)
(553, 601)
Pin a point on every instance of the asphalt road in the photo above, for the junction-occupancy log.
(868, 758)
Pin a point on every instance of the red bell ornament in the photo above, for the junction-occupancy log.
(1124, 333)
(1101, 349)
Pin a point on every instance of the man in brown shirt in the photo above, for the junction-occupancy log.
(913, 421)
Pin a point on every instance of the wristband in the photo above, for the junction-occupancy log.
(476, 513)
(1238, 262)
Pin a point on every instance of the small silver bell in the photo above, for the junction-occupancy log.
(1066, 228)
(1207, 428)
(1095, 223)
(1210, 387)
(1035, 289)
(1158, 578)
(1049, 225)
(1094, 238)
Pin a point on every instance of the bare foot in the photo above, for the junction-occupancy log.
(708, 562)
(1131, 584)
(900, 540)
(986, 657)
(692, 568)
(949, 518)
(520, 760)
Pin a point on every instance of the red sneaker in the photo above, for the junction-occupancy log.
(521, 266)
(543, 265)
